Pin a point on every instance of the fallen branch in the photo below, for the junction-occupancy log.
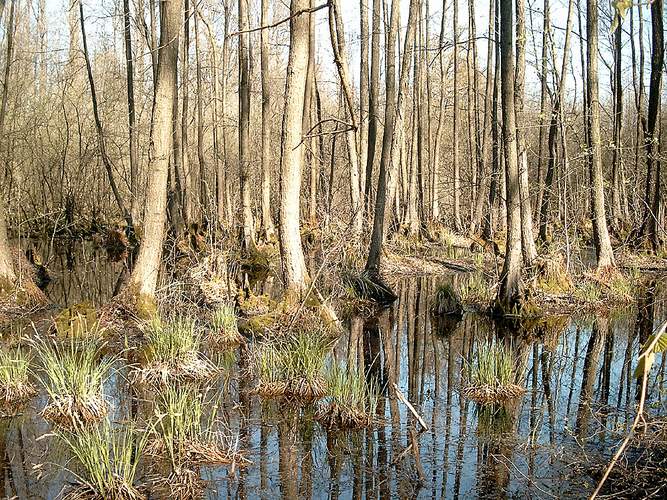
(405, 401)
(640, 411)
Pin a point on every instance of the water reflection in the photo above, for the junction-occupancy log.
(577, 372)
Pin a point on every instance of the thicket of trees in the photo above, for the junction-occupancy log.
(249, 115)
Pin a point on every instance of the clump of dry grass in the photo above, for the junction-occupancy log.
(187, 430)
(351, 402)
(173, 352)
(15, 385)
(107, 459)
(74, 373)
(292, 367)
(491, 375)
(224, 327)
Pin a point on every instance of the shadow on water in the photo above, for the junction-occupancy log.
(577, 372)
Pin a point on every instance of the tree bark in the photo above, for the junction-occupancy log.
(377, 236)
(267, 219)
(187, 177)
(605, 255)
(337, 34)
(143, 280)
(363, 98)
(291, 159)
(203, 185)
(653, 136)
(455, 124)
(244, 127)
(131, 115)
(509, 293)
(373, 104)
(527, 237)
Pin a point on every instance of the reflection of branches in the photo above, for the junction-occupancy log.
(647, 358)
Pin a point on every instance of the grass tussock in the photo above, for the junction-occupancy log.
(491, 375)
(351, 402)
(224, 327)
(73, 375)
(186, 430)
(15, 385)
(172, 352)
(292, 367)
(476, 290)
(106, 461)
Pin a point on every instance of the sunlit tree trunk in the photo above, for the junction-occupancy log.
(437, 141)
(337, 34)
(527, 237)
(7, 274)
(509, 292)
(485, 180)
(291, 159)
(267, 220)
(363, 98)
(605, 255)
(375, 251)
(187, 177)
(455, 124)
(616, 212)
(203, 186)
(373, 102)
(244, 126)
(134, 164)
(543, 111)
(143, 280)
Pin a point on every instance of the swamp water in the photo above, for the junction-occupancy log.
(577, 371)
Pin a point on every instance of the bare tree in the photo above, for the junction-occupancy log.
(131, 114)
(509, 293)
(527, 237)
(605, 255)
(244, 126)
(267, 219)
(291, 159)
(141, 288)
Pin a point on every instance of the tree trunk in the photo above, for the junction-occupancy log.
(187, 177)
(267, 220)
(337, 34)
(377, 236)
(435, 181)
(96, 114)
(653, 136)
(605, 255)
(291, 159)
(373, 103)
(134, 165)
(244, 127)
(143, 280)
(616, 212)
(203, 185)
(527, 238)
(482, 198)
(455, 123)
(509, 293)
(363, 99)
(7, 274)
(543, 110)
